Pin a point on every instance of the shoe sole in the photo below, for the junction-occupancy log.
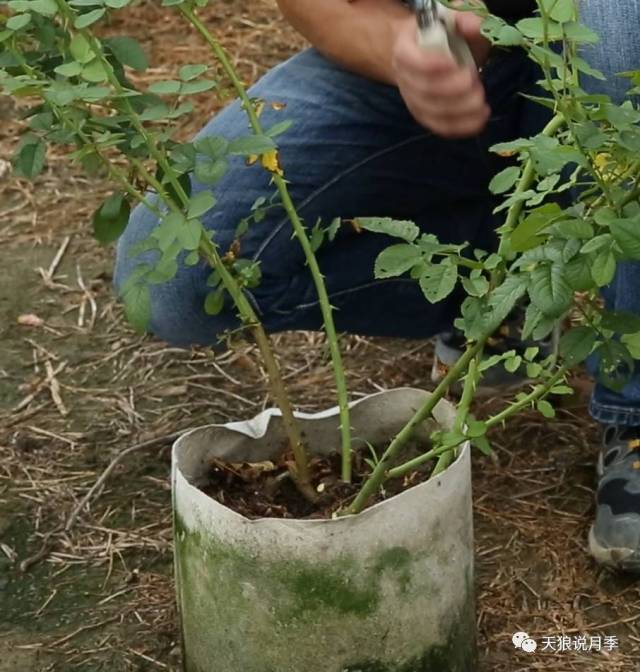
(622, 559)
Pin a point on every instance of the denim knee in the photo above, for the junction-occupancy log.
(177, 306)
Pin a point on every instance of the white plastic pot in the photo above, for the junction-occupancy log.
(388, 590)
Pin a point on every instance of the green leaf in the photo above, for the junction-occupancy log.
(72, 69)
(616, 365)
(512, 364)
(128, 52)
(251, 145)
(391, 227)
(117, 4)
(190, 234)
(626, 232)
(165, 87)
(81, 49)
(546, 409)
(549, 289)
(574, 228)
(476, 429)
(213, 146)
(474, 318)
(620, 322)
(164, 271)
(85, 20)
(504, 298)
(396, 260)
(280, 128)
(525, 235)
(604, 268)
(439, 280)
(137, 306)
(561, 11)
(578, 272)
(210, 172)
(632, 343)
(504, 180)
(475, 286)
(199, 86)
(576, 345)
(47, 8)
(200, 204)
(111, 219)
(95, 72)
(18, 22)
(214, 302)
(189, 71)
(30, 157)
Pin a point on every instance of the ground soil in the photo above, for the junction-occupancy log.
(77, 387)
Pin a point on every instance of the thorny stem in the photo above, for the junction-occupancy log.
(535, 395)
(303, 239)
(380, 473)
(383, 470)
(469, 389)
(300, 471)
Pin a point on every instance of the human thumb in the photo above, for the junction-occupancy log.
(468, 25)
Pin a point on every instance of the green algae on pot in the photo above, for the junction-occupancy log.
(388, 590)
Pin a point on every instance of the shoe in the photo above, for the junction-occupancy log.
(614, 539)
(449, 346)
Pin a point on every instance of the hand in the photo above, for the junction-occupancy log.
(447, 98)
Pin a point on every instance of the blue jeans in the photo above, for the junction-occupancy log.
(355, 150)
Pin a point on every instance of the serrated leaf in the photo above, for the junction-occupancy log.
(504, 298)
(576, 345)
(504, 180)
(210, 172)
(604, 268)
(18, 22)
(251, 144)
(526, 234)
(198, 86)
(615, 364)
(81, 49)
(396, 260)
(191, 71)
(111, 219)
(632, 342)
(137, 306)
(546, 409)
(620, 322)
(88, 19)
(626, 233)
(391, 227)
(439, 280)
(214, 302)
(549, 289)
(190, 234)
(165, 87)
(200, 204)
(30, 156)
(128, 52)
(72, 69)
(95, 72)
(280, 128)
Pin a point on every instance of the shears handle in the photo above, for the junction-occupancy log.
(442, 35)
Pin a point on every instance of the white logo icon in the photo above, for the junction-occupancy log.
(521, 640)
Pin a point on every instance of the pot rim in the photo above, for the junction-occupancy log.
(463, 455)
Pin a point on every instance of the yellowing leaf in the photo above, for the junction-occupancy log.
(252, 159)
(271, 162)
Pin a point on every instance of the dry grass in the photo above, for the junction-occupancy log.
(77, 387)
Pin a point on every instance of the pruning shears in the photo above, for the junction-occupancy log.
(437, 31)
